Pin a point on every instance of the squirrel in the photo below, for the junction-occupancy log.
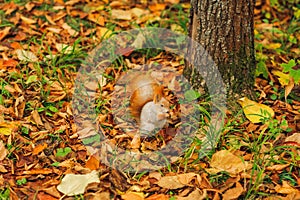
(148, 106)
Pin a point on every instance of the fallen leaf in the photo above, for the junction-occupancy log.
(285, 188)
(44, 196)
(158, 197)
(26, 55)
(157, 7)
(92, 163)
(195, 195)
(133, 196)
(255, 112)
(28, 20)
(283, 78)
(36, 117)
(177, 181)
(75, 184)
(121, 14)
(64, 48)
(31, 79)
(278, 167)
(97, 18)
(39, 148)
(4, 32)
(293, 138)
(289, 88)
(3, 151)
(226, 161)
(37, 171)
(71, 31)
(233, 193)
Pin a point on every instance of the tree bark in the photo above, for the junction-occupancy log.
(224, 28)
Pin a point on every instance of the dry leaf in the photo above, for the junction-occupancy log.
(36, 117)
(233, 193)
(170, 182)
(3, 151)
(26, 56)
(226, 161)
(289, 88)
(39, 148)
(71, 31)
(121, 14)
(97, 18)
(37, 171)
(195, 195)
(133, 196)
(255, 112)
(64, 48)
(158, 197)
(293, 138)
(4, 32)
(285, 188)
(28, 20)
(92, 163)
(102, 196)
(278, 167)
(74, 184)
(177, 181)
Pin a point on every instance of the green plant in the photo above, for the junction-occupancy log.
(21, 181)
(62, 152)
(4, 194)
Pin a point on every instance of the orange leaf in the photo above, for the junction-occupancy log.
(157, 7)
(43, 196)
(92, 163)
(97, 18)
(38, 171)
(4, 32)
(39, 148)
(10, 63)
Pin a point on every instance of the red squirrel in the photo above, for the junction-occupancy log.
(148, 105)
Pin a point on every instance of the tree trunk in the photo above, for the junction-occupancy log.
(224, 28)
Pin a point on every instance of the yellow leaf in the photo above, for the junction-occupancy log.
(226, 161)
(255, 112)
(274, 46)
(133, 196)
(284, 79)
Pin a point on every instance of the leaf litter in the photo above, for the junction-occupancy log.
(36, 115)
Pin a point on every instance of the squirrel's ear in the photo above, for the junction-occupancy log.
(156, 98)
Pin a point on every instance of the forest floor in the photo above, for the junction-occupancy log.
(49, 148)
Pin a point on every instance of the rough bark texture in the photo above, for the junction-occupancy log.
(224, 28)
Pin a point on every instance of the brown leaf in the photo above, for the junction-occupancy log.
(121, 14)
(195, 195)
(158, 197)
(92, 163)
(36, 117)
(233, 193)
(37, 171)
(97, 18)
(44, 196)
(157, 7)
(226, 161)
(177, 181)
(289, 88)
(278, 167)
(3, 151)
(39, 148)
(285, 188)
(4, 32)
(28, 20)
(133, 196)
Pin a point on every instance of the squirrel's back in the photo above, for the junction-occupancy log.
(144, 89)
